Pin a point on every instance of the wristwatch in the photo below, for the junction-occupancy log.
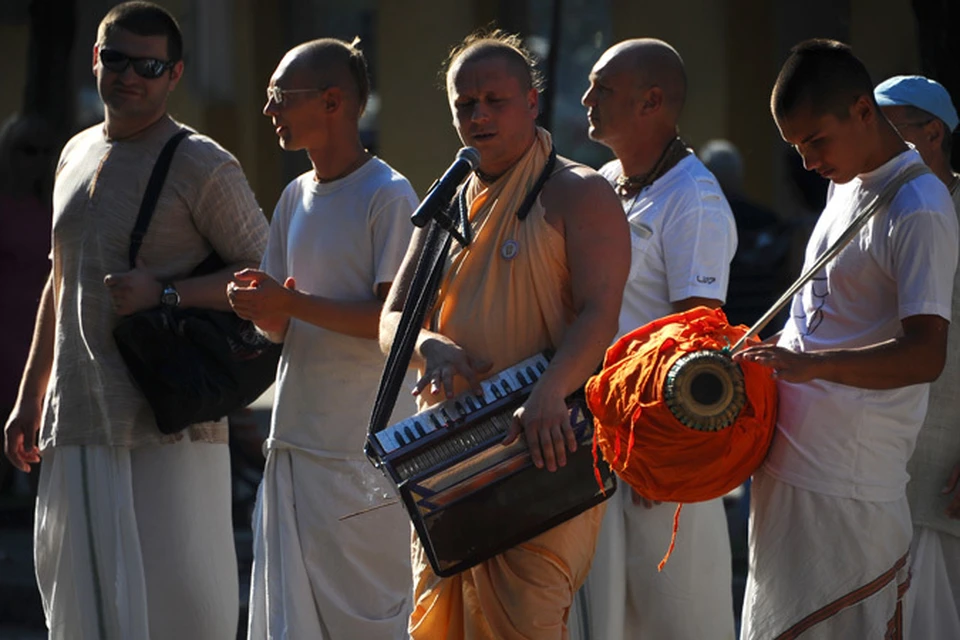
(170, 297)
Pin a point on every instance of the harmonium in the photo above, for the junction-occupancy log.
(471, 498)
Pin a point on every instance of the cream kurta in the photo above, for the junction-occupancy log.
(205, 205)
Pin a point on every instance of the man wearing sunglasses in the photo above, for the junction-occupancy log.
(134, 535)
(683, 237)
(337, 237)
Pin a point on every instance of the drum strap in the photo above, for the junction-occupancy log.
(883, 198)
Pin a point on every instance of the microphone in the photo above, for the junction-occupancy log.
(443, 190)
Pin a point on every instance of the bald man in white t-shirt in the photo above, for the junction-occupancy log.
(683, 238)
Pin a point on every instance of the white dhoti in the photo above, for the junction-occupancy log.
(823, 567)
(933, 601)
(137, 543)
(628, 599)
(316, 576)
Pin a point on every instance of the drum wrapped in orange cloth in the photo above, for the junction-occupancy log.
(676, 418)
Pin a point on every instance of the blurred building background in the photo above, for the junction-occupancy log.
(732, 50)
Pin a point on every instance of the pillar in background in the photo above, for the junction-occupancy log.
(416, 131)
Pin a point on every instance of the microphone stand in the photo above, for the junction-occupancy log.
(447, 221)
(442, 229)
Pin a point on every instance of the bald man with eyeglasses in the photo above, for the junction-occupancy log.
(337, 238)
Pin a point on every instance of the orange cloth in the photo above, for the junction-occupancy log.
(645, 444)
(523, 593)
(507, 308)
(505, 298)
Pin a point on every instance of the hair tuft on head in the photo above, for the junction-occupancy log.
(492, 41)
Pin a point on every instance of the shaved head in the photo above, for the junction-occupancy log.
(637, 91)
(652, 63)
(329, 62)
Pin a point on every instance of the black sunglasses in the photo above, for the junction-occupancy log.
(149, 68)
(32, 150)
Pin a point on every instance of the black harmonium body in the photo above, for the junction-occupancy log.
(471, 498)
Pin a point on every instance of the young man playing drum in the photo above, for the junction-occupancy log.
(830, 526)
(683, 237)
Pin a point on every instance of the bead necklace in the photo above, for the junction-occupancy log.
(673, 153)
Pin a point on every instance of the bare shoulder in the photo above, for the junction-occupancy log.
(572, 180)
(577, 192)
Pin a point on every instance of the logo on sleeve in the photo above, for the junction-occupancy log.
(706, 279)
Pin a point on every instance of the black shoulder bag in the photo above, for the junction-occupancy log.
(192, 365)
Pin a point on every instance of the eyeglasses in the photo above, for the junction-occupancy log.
(149, 68)
(32, 150)
(918, 123)
(277, 94)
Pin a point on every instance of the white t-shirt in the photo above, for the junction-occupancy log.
(846, 441)
(682, 236)
(938, 445)
(338, 240)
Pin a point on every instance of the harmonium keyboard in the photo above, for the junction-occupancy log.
(471, 498)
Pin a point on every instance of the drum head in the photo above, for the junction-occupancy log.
(704, 390)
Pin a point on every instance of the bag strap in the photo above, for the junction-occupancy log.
(152, 194)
